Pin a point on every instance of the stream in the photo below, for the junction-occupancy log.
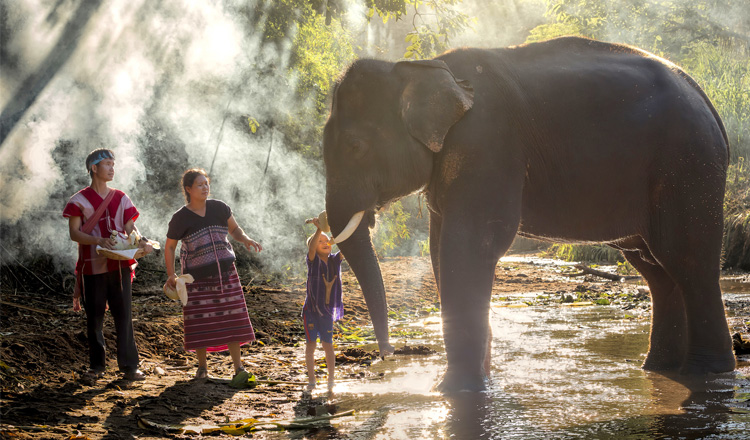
(558, 372)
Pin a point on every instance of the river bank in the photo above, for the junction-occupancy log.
(43, 349)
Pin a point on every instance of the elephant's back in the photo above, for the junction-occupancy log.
(574, 85)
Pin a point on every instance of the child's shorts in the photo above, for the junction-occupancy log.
(318, 326)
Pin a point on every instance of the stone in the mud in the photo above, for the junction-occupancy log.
(322, 410)
(740, 345)
(419, 349)
(355, 356)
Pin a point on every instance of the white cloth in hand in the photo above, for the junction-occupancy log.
(180, 291)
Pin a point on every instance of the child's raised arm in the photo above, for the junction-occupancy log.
(313, 243)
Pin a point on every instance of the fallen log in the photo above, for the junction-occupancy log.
(606, 275)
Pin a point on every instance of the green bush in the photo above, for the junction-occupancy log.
(737, 216)
(402, 229)
(588, 253)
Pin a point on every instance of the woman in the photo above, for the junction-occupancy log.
(215, 316)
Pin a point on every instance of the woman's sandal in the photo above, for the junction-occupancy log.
(240, 378)
(201, 373)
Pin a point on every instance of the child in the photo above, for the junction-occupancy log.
(323, 303)
(94, 213)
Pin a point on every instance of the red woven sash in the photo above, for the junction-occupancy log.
(87, 228)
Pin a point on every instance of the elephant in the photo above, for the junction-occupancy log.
(569, 140)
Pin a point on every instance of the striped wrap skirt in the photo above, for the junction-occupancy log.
(216, 313)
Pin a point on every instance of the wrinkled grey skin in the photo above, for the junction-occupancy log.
(570, 140)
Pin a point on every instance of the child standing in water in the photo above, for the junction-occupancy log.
(323, 303)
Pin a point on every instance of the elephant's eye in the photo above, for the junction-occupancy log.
(358, 148)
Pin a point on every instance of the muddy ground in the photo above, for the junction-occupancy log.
(43, 350)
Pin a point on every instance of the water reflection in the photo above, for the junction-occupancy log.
(557, 373)
(680, 407)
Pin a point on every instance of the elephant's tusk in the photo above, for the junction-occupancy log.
(349, 229)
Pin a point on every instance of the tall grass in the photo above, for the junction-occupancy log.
(737, 216)
(587, 253)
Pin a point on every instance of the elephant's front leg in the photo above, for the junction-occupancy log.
(468, 256)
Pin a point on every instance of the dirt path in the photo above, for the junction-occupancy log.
(43, 352)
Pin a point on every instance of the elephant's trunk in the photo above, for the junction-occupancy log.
(361, 257)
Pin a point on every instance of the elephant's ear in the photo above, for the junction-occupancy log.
(432, 100)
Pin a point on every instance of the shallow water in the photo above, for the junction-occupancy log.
(564, 372)
(557, 373)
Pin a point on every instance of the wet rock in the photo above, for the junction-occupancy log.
(740, 345)
(322, 410)
(355, 356)
(418, 350)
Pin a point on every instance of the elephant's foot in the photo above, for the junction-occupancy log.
(662, 363)
(704, 362)
(456, 383)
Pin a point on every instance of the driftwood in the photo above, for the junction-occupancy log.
(585, 270)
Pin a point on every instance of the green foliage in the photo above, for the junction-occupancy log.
(553, 30)
(386, 9)
(402, 229)
(724, 74)
(661, 26)
(432, 30)
(320, 53)
(322, 47)
(737, 216)
(392, 230)
(737, 197)
(253, 124)
(424, 247)
(625, 268)
(590, 253)
(281, 18)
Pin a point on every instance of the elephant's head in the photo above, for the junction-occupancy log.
(387, 121)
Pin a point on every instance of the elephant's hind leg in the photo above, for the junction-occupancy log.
(690, 254)
(668, 338)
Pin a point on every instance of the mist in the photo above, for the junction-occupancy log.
(173, 85)
(167, 86)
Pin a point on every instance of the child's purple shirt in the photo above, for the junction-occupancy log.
(315, 301)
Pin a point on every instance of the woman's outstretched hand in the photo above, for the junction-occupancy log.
(251, 244)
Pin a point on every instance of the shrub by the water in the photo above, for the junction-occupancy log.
(589, 253)
(737, 216)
